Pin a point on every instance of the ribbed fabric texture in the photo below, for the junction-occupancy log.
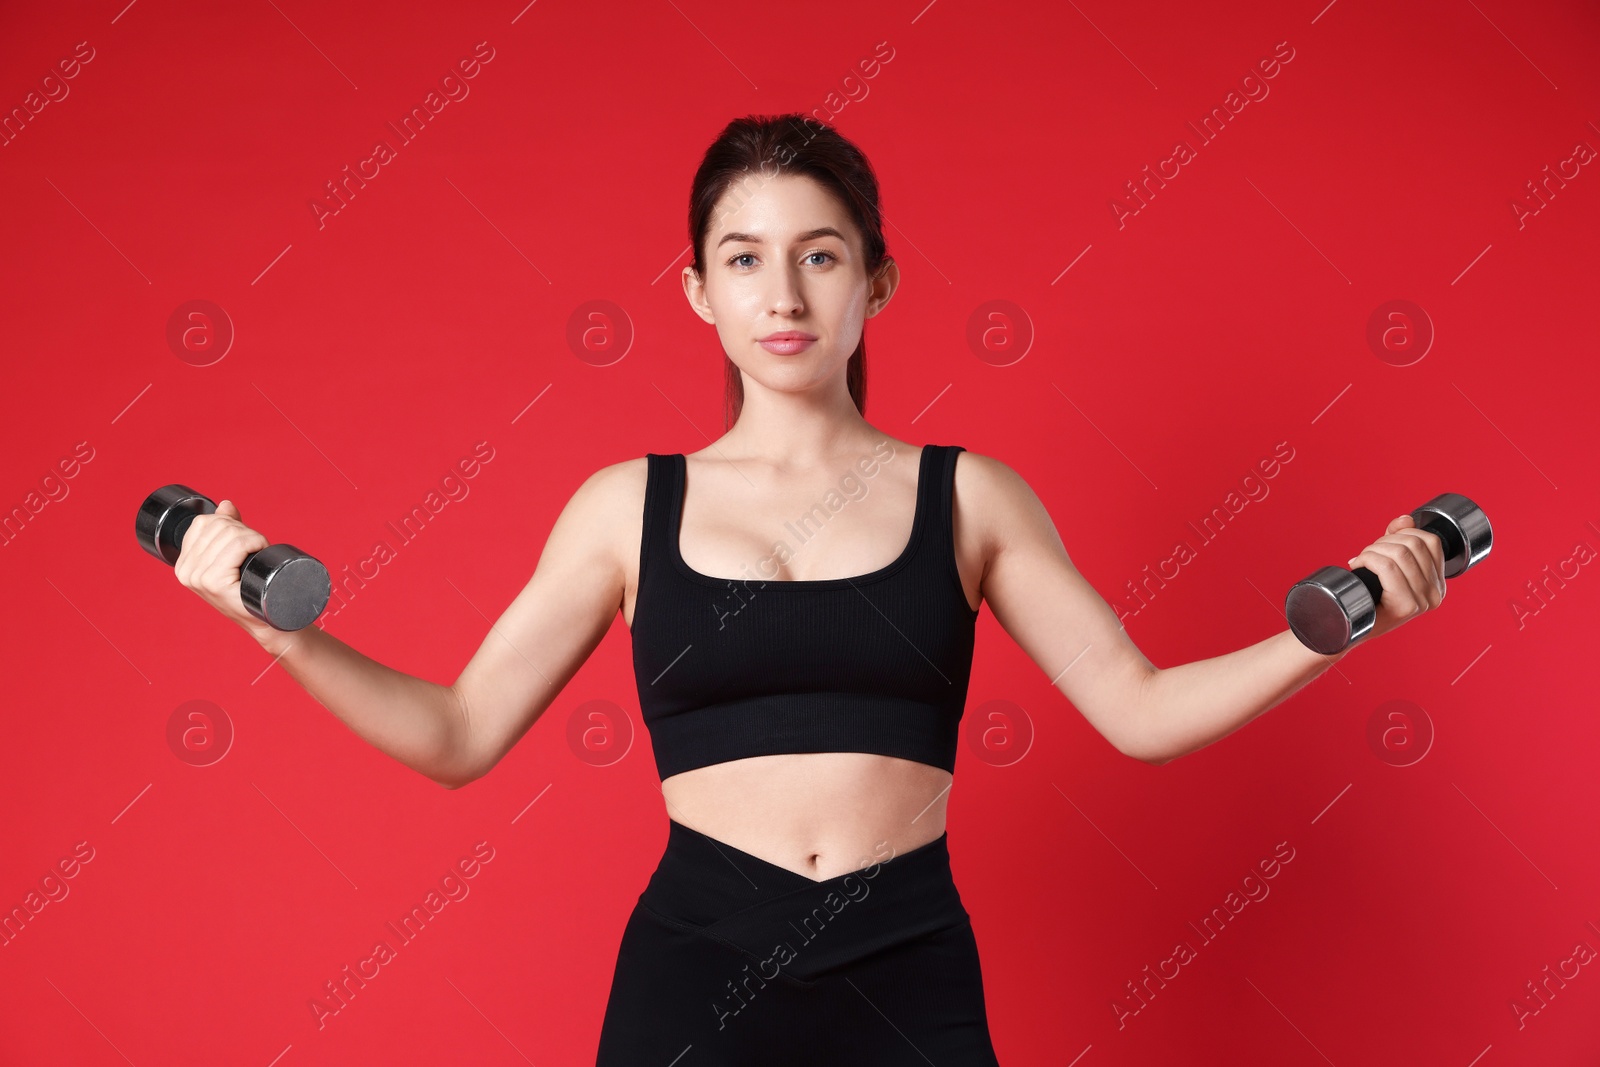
(729, 668)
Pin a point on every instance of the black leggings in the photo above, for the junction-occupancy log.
(729, 959)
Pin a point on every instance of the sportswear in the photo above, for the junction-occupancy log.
(728, 668)
(730, 961)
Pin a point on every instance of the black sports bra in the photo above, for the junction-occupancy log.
(735, 667)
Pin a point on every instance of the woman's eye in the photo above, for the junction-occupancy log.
(734, 261)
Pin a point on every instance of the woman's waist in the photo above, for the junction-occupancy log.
(815, 814)
(718, 890)
(789, 925)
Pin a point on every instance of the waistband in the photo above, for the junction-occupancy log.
(786, 923)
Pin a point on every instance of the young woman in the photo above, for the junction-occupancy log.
(802, 595)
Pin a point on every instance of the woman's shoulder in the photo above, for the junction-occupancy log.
(611, 495)
(981, 473)
(619, 484)
(607, 509)
(992, 497)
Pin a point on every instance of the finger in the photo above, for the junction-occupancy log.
(1433, 548)
(1390, 562)
(204, 529)
(193, 547)
(1417, 567)
(1424, 546)
(218, 564)
(226, 574)
(241, 544)
(200, 571)
(1420, 567)
(1399, 522)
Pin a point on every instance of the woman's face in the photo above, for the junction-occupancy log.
(783, 254)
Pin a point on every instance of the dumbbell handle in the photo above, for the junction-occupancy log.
(1452, 545)
(181, 527)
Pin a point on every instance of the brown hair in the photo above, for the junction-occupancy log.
(770, 145)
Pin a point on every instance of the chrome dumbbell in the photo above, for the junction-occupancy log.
(1333, 608)
(280, 585)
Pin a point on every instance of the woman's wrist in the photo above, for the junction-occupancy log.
(275, 641)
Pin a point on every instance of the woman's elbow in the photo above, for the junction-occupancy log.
(1146, 754)
(1147, 745)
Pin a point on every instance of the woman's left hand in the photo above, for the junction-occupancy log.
(1409, 563)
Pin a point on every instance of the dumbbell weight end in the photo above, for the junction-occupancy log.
(284, 587)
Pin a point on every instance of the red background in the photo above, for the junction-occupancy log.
(371, 353)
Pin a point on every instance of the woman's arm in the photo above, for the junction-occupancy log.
(1197, 703)
(1067, 628)
(413, 720)
(1189, 706)
(452, 734)
(557, 620)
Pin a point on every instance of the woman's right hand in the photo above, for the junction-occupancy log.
(214, 548)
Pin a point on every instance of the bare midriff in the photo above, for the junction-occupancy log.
(819, 814)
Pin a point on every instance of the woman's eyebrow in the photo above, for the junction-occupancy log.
(809, 235)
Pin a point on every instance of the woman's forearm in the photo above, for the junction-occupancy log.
(413, 720)
(1187, 707)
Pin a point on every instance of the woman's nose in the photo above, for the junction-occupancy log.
(785, 296)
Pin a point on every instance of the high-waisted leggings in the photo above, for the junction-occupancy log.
(729, 959)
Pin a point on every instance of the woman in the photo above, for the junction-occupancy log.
(801, 678)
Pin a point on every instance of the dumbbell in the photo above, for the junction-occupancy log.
(280, 585)
(1334, 607)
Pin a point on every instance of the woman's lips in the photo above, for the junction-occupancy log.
(787, 346)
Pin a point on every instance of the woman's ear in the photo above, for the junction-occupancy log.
(884, 283)
(695, 290)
